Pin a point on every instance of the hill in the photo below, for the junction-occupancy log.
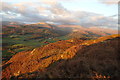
(94, 62)
(19, 37)
(75, 58)
(41, 25)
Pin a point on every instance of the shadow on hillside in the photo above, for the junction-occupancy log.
(97, 60)
(6, 65)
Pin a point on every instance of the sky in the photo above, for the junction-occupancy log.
(101, 13)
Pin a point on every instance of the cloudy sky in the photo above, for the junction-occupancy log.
(101, 13)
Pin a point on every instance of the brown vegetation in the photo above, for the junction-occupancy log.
(97, 61)
(80, 59)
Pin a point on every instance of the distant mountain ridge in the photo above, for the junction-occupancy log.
(70, 31)
(41, 24)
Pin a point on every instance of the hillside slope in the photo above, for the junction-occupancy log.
(96, 62)
(78, 31)
(40, 58)
(17, 37)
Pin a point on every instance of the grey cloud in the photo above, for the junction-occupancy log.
(55, 13)
(58, 9)
(27, 13)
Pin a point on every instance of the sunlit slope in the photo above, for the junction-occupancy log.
(40, 58)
